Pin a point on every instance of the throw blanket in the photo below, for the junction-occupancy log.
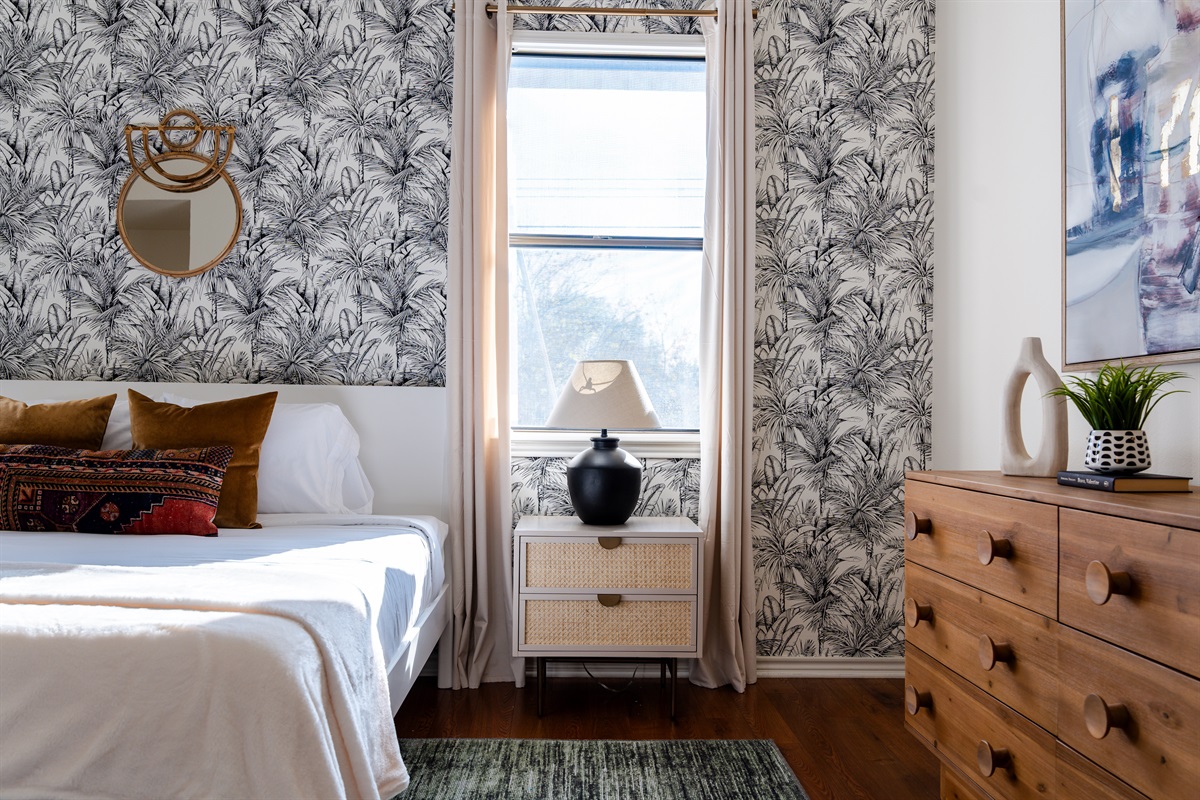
(213, 680)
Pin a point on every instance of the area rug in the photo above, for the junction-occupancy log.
(467, 769)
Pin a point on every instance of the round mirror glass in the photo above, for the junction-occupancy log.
(179, 232)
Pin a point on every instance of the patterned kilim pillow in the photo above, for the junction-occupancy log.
(46, 488)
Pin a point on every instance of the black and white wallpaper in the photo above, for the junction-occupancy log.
(843, 300)
(342, 112)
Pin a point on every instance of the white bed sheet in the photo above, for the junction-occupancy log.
(388, 568)
(396, 561)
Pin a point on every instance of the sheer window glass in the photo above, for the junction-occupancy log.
(606, 214)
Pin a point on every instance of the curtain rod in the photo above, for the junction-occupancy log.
(491, 8)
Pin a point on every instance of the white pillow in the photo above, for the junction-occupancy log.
(118, 435)
(309, 461)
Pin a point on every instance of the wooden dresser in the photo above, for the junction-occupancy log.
(1053, 637)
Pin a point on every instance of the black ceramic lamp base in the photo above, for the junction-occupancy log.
(605, 483)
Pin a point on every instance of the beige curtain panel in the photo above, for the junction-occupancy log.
(726, 353)
(477, 352)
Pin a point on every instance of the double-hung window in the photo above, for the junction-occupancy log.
(606, 214)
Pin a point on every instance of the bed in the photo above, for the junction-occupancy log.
(258, 656)
(255, 663)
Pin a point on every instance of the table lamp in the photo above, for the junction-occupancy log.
(604, 481)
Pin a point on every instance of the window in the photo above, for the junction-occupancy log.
(606, 214)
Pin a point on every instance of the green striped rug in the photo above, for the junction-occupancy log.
(458, 769)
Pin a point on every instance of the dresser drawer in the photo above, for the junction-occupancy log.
(570, 564)
(1158, 570)
(582, 623)
(951, 531)
(1008, 651)
(1006, 754)
(1080, 779)
(1153, 742)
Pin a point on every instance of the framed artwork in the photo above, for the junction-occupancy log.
(1131, 187)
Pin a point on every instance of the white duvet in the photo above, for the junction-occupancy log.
(251, 664)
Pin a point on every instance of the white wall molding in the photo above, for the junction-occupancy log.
(830, 667)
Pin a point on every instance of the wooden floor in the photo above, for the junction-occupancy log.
(844, 738)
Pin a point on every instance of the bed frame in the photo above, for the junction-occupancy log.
(393, 423)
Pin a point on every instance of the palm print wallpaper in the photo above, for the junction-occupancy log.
(843, 299)
(342, 112)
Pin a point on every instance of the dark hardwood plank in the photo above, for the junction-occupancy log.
(844, 738)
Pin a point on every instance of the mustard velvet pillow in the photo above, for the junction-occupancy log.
(240, 423)
(76, 424)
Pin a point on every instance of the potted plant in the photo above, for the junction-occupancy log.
(1116, 404)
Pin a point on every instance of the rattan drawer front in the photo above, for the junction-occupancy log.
(947, 528)
(577, 624)
(634, 564)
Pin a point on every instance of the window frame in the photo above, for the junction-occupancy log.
(535, 441)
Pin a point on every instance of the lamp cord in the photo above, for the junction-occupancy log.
(604, 685)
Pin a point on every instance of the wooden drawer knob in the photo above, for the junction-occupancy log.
(609, 600)
(914, 612)
(914, 701)
(989, 759)
(914, 525)
(1100, 717)
(1102, 584)
(991, 652)
(612, 542)
(989, 548)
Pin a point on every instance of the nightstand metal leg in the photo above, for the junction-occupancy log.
(674, 682)
(662, 674)
(541, 682)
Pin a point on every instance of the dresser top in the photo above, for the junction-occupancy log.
(645, 526)
(1177, 509)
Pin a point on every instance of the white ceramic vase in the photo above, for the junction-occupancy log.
(1052, 450)
(1116, 452)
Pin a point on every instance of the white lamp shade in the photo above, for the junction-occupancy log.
(604, 394)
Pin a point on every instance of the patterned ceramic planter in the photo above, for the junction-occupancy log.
(1117, 451)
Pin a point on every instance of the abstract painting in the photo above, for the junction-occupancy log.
(1131, 70)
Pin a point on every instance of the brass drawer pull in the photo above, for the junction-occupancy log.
(914, 701)
(914, 612)
(609, 600)
(991, 652)
(609, 542)
(989, 759)
(914, 525)
(990, 548)
(1100, 717)
(1103, 584)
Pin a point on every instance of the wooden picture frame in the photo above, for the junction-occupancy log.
(1131, 218)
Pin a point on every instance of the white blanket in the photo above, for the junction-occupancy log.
(105, 671)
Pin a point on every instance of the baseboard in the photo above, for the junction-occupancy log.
(768, 667)
(830, 667)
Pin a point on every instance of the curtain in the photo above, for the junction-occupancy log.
(477, 352)
(726, 353)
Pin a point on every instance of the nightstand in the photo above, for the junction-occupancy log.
(624, 592)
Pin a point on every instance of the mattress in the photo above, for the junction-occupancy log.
(252, 662)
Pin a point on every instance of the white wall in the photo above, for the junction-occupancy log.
(403, 430)
(998, 235)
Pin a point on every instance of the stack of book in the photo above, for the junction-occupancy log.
(1138, 482)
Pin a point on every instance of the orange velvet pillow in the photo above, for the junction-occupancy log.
(77, 424)
(240, 423)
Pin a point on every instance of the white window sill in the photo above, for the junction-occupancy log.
(640, 444)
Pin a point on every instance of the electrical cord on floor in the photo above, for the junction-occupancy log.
(604, 685)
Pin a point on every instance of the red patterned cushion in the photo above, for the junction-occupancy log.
(46, 488)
